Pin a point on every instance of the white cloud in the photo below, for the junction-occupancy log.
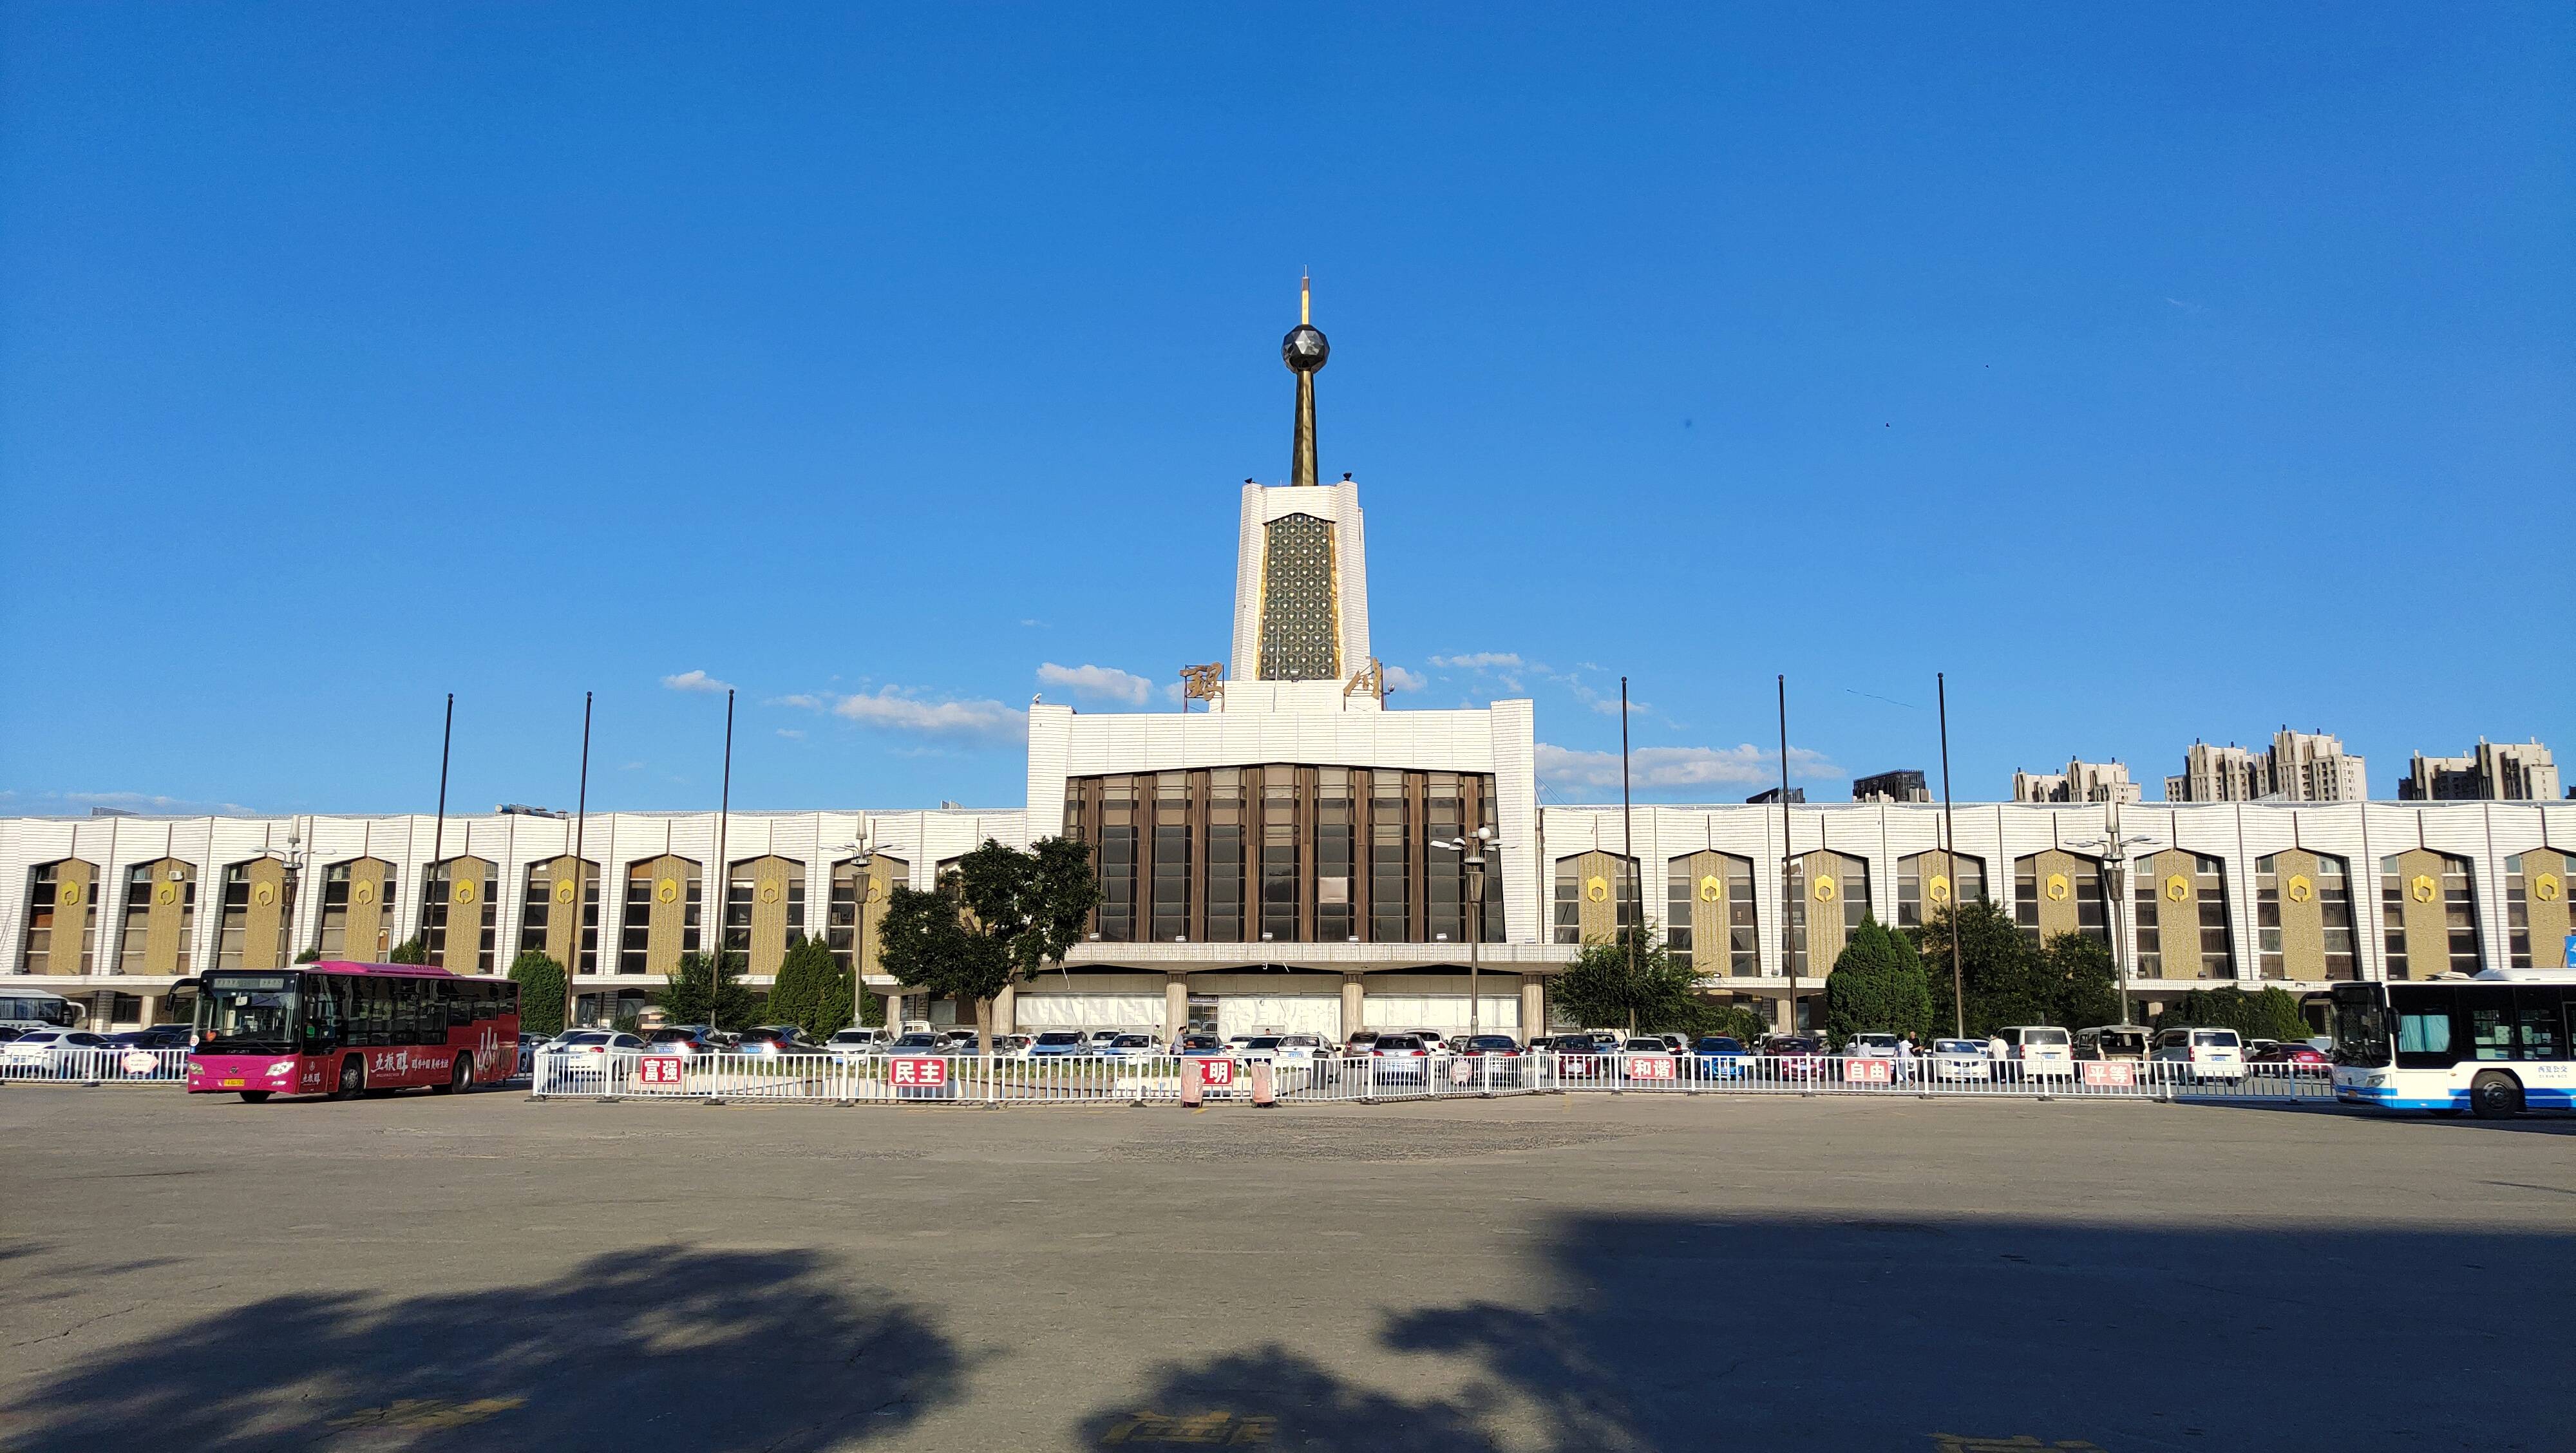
(1478, 661)
(695, 681)
(1104, 683)
(1609, 706)
(142, 804)
(1667, 767)
(792, 734)
(1399, 679)
(804, 699)
(891, 710)
(1175, 693)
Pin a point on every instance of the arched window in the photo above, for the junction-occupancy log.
(2537, 923)
(1596, 896)
(1928, 883)
(546, 916)
(661, 919)
(858, 897)
(460, 923)
(2182, 917)
(1829, 891)
(2303, 917)
(2429, 903)
(258, 912)
(62, 918)
(357, 910)
(160, 914)
(1708, 914)
(764, 905)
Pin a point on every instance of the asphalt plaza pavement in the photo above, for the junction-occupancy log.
(1560, 1272)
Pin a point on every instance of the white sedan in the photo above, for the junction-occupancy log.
(1960, 1059)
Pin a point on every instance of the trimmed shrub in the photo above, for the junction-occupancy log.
(541, 993)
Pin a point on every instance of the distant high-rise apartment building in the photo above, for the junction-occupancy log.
(1905, 784)
(1772, 794)
(2297, 767)
(2080, 782)
(2492, 771)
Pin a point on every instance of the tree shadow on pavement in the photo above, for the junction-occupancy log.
(1839, 1333)
(666, 1348)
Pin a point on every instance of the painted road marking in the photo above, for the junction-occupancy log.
(428, 1413)
(1197, 1430)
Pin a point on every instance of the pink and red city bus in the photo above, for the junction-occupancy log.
(346, 1029)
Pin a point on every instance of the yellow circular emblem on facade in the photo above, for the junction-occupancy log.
(465, 891)
(68, 895)
(875, 889)
(768, 892)
(563, 890)
(1710, 889)
(1597, 889)
(2058, 887)
(668, 891)
(166, 893)
(2424, 887)
(2300, 888)
(1938, 890)
(2545, 887)
(263, 894)
(2177, 888)
(362, 891)
(1824, 889)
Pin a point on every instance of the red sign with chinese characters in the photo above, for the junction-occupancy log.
(2110, 1072)
(1651, 1067)
(659, 1069)
(1869, 1071)
(917, 1071)
(1216, 1074)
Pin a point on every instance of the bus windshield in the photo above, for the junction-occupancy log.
(2360, 1032)
(246, 1013)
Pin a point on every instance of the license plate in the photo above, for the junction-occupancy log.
(232, 1084)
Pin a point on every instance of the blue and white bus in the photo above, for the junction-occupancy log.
(24, 1009)
(2494, 1045)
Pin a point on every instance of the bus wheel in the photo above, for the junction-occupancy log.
(254, 1097)
(2495, 1096)
(460, 1078)
(353, 1078)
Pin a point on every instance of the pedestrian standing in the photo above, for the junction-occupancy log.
(1905, 1059)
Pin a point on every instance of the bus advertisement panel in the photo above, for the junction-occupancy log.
(2494, 1045)
(343, 1029)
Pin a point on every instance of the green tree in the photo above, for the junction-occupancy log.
(1634, 980)
(2077, 971)
(999, 915)
(541, 993)
(813, 990)
(708, 989)
(1746, 1026)
(2267, 1014)
(413, 950)
(1999, 967)
(1877, 983)
(309, 956)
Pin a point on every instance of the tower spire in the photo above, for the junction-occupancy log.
(1304, 351)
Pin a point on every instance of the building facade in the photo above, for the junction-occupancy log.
(2297, 767)
(1288, 853)
(2490, 772)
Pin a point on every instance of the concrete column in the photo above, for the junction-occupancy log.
(1354, 1004)
(1533, 1006)
(1005, 1011)
(894, 1012)
(151, 1010)
(1176, 1005)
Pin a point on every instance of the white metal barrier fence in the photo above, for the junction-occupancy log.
(1150, 1079)
(95, 1065)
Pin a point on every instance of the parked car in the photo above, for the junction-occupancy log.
(1960, 1059)
(919, 1041)
(2201, 1054)
(1580, 1057)
(777, 1039)
(1433, 1040)
(2289, 1059)
(2037, 1051)
(1198, 1046)
(580, 1060)
(159, 1036)
(686, 1040)
(530, 1045)
(1360, 1042)
(1719, 1057)
(1303, 1046)
(961, 1042)
(1099, 1038)
(1796, 1056)
(1642, 1058)
(1401, 1057)
(1059, 1044)
(849, 1045)
(1132, 1046)
(42, 1052)
(1870, 1044)
(2113, 1042)
(1673, 1043)
(1013, 1046)
(1501, 1046)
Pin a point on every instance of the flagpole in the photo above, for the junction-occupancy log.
(1950, 828)
(580, 865)
(1788, 855)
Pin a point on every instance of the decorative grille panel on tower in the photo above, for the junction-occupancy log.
(1300, 638)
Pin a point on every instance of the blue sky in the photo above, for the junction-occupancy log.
(2156, 372)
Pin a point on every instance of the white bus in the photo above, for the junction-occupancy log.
(2494, 1045)
(25, 1009)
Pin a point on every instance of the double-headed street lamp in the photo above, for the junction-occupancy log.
(2115, 856)
(863, 853)
(1472, 852)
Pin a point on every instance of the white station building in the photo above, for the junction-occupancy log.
(1291, 853)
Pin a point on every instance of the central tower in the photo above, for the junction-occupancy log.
(1301, 575)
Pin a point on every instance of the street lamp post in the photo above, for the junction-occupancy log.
(2115, 859)
(863, 855)
(1471, 853)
